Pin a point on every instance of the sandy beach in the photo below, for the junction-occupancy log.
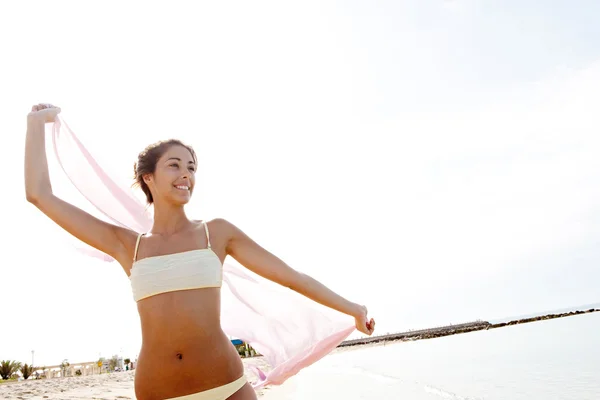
(117, 385)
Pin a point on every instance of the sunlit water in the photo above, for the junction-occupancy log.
(553, 359)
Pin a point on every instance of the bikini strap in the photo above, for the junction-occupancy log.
(137, 244)
(207, 235)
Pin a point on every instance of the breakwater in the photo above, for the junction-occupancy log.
(456, 329)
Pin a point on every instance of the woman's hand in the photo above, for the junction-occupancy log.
(45, 113)
(363, 324)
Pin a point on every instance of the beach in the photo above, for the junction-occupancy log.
(548, 358)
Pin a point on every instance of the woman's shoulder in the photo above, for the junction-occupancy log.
(217, 226)
(216, 222)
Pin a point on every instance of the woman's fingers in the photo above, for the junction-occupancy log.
(370, 326)
(42, 106)
(44, 112)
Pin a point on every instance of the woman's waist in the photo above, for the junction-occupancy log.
(178, 353)
(170, 366)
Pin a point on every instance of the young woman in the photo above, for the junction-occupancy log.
(175, 271)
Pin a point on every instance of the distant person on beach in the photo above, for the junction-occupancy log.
(175, 271)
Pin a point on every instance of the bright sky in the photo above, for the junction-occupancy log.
(434, 160)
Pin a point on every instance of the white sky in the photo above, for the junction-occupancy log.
(435, 160)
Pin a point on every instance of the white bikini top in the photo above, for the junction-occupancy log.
(193, 269)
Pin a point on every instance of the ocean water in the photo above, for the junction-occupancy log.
(553, 359)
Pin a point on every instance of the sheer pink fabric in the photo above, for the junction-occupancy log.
(291, 331)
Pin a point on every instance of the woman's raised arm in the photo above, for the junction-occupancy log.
(113, 240)
(252, 256)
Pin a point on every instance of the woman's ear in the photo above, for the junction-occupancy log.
(147, 178)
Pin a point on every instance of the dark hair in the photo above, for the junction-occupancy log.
(147, 159)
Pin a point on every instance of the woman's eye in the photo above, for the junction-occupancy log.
(174, 165)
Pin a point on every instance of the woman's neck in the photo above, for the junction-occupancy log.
(169, 219)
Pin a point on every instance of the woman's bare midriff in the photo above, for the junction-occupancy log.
(184, 350)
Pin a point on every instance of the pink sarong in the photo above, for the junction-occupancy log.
(289, 330)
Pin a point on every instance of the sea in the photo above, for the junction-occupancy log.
(543, 360)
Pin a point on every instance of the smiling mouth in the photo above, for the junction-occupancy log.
(182, 187)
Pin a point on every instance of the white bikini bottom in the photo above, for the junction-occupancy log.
(218, 393)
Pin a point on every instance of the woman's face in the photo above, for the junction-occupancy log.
(174, 177)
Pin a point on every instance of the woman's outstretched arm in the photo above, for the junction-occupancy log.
(103, 236)
(252, 256)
